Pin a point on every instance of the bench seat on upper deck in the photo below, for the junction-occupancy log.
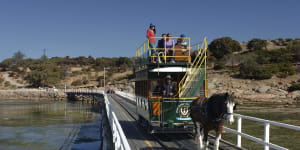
(179, 52)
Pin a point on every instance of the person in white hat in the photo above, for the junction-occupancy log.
(168, 89)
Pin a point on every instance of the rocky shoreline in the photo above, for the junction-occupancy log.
(271, 91)
(247, 91)
(32, 95)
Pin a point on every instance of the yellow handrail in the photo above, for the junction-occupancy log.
(143, 49)
(163, 55)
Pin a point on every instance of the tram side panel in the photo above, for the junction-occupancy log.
(142, 108)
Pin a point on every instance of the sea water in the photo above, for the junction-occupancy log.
(49, 125)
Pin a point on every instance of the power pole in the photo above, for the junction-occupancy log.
(44, 57)
(44, 51)
(104, 77)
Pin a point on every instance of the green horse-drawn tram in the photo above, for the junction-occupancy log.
(163, 108)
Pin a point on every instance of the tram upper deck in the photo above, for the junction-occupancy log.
(187, 71)
(182, 53)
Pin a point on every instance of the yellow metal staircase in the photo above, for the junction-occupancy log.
(193, 79)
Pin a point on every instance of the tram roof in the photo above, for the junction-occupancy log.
(169, 69)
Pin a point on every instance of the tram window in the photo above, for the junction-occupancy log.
(155, 88)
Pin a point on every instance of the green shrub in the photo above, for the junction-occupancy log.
(294, 47)
(223, 46)
(235, 70)
(19, 81)
(76, 82)
(45, 75)
(85, 81)
(281, 42)
(294, 87)
(280, 56)
(211, 60)
(252, 70)
(219, 65)
(86, 70)
(286, 68)
(1, 80)
(76, 72)
(262, 57)
(257, 44)
(281, 75)
(7, 83)
(273, 68)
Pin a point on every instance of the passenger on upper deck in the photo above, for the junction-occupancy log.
(170, 47)
(168, 89)
(150, 35)
(161, 46)
(161, 42)
(182, 42)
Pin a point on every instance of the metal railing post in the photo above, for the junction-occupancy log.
(267, 135)
(239, 129)
(165, 41)
(189, 59)
(149, 52)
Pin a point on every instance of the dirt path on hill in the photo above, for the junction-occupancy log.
(12, 82)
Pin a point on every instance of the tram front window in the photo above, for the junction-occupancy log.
(156, 88)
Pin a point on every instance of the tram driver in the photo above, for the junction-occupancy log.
(168, 88)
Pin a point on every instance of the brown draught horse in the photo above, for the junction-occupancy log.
(209, 114)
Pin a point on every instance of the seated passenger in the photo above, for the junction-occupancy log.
(170, 48)
(161, 42)
(168, 89)
(182, 42)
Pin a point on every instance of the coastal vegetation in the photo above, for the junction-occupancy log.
(49, 72)
(256, 59)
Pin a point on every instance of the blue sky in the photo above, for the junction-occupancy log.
(114, 28)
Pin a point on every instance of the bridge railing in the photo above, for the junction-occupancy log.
(127, 95)
(82, 90)
(240, 134)
(266, 140)
(119, 138)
